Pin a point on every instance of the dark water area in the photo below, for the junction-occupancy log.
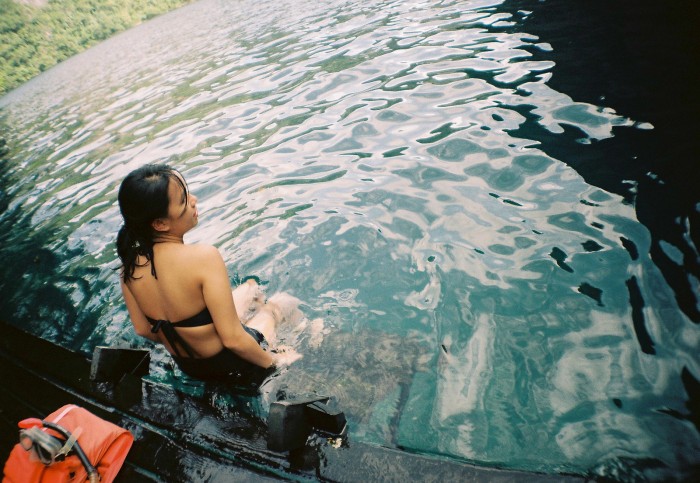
(640, 58)
(490, 210)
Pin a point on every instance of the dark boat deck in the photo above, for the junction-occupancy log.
(179, 437)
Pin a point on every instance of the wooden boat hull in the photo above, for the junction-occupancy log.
(185, 437)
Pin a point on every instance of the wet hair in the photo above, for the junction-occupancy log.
(143, 198)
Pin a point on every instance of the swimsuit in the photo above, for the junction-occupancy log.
(224, 365)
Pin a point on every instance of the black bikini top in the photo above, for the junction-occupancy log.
(198, 320)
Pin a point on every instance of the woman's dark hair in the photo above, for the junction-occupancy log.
(143, 198)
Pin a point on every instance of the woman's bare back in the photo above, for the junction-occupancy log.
(176, 294)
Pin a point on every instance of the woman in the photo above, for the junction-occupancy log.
(178, 294)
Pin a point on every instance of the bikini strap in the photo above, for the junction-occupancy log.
(198, 320)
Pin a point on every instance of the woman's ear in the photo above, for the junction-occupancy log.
(160, 224)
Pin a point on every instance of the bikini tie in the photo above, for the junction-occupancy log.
(157, 325)
(172, 336)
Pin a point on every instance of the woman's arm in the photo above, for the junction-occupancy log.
(138, 319)
(217, 296)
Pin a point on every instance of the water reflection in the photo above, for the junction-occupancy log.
(467, 293)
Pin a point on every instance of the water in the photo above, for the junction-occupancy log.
(407, 170)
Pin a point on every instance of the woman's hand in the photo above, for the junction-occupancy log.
(285, 356)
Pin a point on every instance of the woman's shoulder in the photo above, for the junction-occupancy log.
(203, 254)
(195, 260)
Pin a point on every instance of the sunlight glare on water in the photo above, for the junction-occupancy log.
(465, 293)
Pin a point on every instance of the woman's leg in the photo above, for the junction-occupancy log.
(247, 298)
(265, 322)
(280, 307)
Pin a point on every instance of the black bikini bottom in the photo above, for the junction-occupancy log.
(226, 365)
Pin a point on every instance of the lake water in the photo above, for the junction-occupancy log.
(464, 234)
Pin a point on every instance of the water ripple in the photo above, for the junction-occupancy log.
(378, 160)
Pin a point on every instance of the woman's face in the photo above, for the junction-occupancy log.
(182, 206)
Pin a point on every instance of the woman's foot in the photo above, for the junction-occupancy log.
(285, 308)
(316, 333)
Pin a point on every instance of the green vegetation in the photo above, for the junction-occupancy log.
(37, 34)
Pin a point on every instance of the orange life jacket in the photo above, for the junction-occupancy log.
(105, 445)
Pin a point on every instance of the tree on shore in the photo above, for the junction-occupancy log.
(35, 35)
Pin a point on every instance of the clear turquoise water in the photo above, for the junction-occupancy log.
(467, 294)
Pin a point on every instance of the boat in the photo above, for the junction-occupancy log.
(201, 432)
